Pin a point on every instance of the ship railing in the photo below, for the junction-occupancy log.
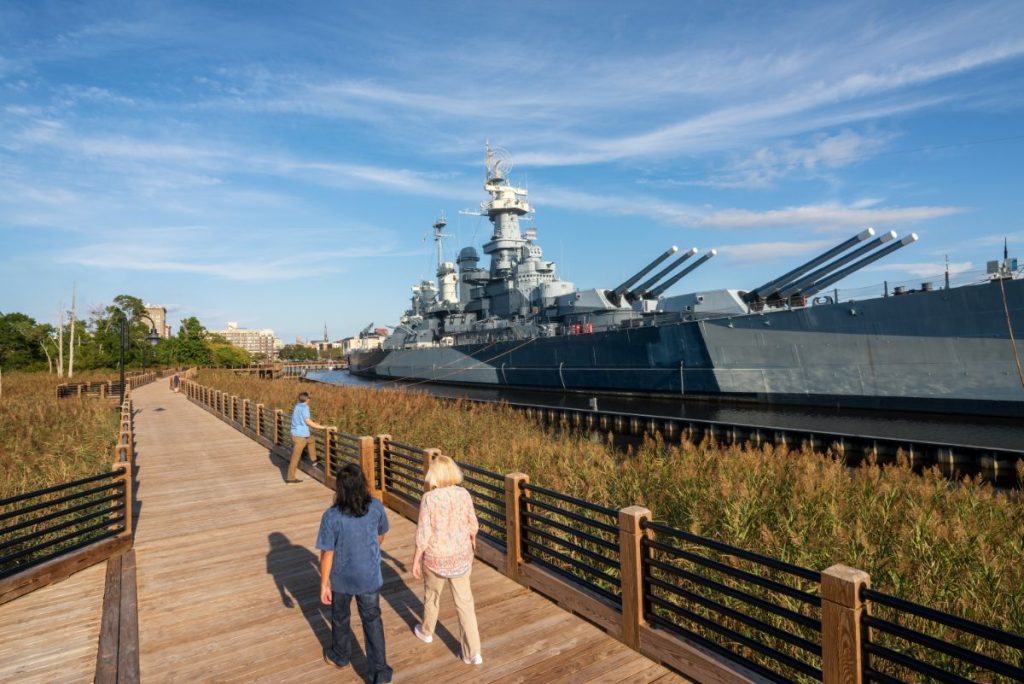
(711, 610)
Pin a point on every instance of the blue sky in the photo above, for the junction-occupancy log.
(279, 164)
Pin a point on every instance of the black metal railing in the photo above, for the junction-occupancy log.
(266, 418)
(345, 448)
(573, 538)
(41, 525)
(488, 492)
(907, 642)
(759, 611)
(403, 470)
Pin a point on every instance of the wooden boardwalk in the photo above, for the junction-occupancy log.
(228, 578)
(51, 635)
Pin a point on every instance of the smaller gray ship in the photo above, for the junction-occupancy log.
(515, 323)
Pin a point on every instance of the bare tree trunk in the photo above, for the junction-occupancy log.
(71, 350)
(49, 360)
(60, 343)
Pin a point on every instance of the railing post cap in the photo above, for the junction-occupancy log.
(841, 584)
(630, 517)
(517, 476)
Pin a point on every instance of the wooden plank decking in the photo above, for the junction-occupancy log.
(51, 634)
(228, 579)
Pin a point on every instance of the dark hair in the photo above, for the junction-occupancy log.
(303, 396)
(352, 496)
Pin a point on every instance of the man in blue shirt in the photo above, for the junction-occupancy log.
(301, 438)
(351, 532)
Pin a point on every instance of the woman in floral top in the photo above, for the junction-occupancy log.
(445, 542)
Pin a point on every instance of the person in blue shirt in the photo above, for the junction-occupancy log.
(351, 532)
(301, 437)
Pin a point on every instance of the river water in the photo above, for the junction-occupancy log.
(993, 433)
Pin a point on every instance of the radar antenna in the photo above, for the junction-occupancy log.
(439, 235)
(498, 162)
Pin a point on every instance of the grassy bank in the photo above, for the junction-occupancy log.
(953, 546)
(44, 440)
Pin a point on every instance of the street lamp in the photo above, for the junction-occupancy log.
(153, 337)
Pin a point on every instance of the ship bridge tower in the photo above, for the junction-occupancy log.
(447, 280)
(506, 205)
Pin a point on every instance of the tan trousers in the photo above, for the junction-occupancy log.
(434, 584)
(299, 445)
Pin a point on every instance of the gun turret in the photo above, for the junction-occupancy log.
(827, 281)
(657, 292)
(773, 286)
(621, 289)
(810, 278)
(645, 286)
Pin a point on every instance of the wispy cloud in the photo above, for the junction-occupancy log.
(924, 269)
(758, 252)
(824, 216)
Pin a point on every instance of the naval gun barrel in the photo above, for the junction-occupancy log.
(641, 289)
(621, 289)
(774, 285)
(799, 285)
(827, 281)
(657, 292)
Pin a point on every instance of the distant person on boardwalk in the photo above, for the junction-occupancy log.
(301, 437)
(445, 545)
(351, 532)
(175, 382)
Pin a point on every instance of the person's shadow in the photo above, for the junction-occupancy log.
(296, 572)
(405, 602)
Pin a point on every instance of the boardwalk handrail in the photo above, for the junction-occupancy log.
(107, 389)
(50, 533)
(710, 610)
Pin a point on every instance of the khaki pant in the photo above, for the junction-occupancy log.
(463, 595)
(299, 444)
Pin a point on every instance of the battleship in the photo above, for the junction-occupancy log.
(516, 324)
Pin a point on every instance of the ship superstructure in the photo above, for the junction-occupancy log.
(514, 322)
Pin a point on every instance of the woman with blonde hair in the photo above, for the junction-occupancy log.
(445, 542)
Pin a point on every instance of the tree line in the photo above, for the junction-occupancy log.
(94, 342)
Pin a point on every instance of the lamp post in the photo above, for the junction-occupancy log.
(153, 337)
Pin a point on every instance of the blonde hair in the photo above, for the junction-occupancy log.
(443, 472)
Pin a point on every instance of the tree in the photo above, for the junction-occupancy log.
(192, 346)
(24, 344)
(294, 352)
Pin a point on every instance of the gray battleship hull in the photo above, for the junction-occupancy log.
(945, 350)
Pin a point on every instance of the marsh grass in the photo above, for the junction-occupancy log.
(44, 441)
(953, 546)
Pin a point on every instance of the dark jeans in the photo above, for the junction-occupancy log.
(373, 631)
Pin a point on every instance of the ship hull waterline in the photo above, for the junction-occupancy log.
(944, 351)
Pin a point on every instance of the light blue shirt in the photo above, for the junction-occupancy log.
(300, 414)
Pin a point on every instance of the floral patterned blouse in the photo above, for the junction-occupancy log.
(447, 522)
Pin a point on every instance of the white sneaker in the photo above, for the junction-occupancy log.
(475, 660)
(421, 635)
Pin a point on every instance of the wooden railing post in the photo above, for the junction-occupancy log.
(379, 444)
(841, 610)
(259, 420)
(513, 524)
(368, 462)
(330, 437)
(278, 421)
(234, 418)
(631, 571)
(103, 390)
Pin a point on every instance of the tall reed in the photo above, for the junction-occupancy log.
(44, 441)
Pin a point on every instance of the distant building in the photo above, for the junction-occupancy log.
(251, 340)
(159, 315)
(365, 342)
